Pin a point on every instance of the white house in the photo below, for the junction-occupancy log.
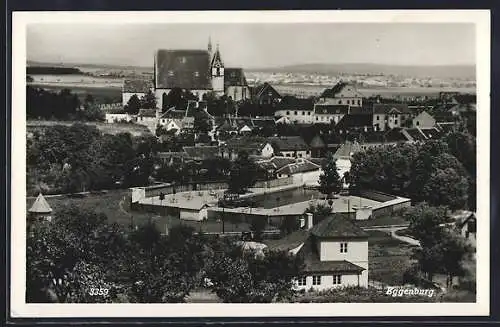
(424, 120)
(342, 93)
(121, 117)
(343, 157)
(40, 209)
(290, 146)
(335, 253)
(302, 170)
(196, 212)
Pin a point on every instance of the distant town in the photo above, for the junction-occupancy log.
(197, 182)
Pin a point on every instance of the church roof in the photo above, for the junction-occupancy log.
(40, 205)
(216, 59)
(185, 69)
(137, 85)
(234, 77)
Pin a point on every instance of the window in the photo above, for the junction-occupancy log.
(343, 247)
(378, 117)
(359, 102)
(307, 152)
(395, 121)
(303, 113)
(418, 123)
(316, 280)
(317, 117)
(287, 155)
(300, 155)
(302, 281)
(348, 102)
(337, 279)
(309, 113)
(288, 113)
(340, 101)
(295, 113)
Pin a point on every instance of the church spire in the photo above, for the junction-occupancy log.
(209, 44)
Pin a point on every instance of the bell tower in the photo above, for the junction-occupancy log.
(217, 73)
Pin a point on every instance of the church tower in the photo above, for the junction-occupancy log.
(217, 74)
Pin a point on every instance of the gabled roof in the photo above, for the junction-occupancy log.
(431, 133)
(147, 112)
(289, 143)
(259, 90)
(185, 69)
(137, 85)
(386, 108)
(234, 77)
(330, 109)
(367, 110)
(312, 262)
(338, 88)
(173, 114)
(415, 134)
(216, 59)
(337, 226)
(289, 102)
(40, 205)
(249, 144)
(347, 149)
(275, 163)
(263, 122)
(299, 166)
(355, 120)
(289, 242)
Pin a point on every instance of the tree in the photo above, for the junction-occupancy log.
(319, 211)
(329, 180)
(455, 251)
(133, 105)
(243, 174)
(257, 225)
(446, 187)
(424, 223)
(148, 101)
(288, 225)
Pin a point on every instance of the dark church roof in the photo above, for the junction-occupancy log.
(137, 85)
(234, 77)
(186, 69)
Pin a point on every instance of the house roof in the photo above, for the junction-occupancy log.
(415, 134)
(347, 149)
(317, 142)
(202, 152)
(338, 88)
(264, 122)
(40, 205)
(431, 133)
(299, 166)
(234, 77)
(259, 90)
(289, 242)
(275, 163)
(367, 110)
(289, 102)
(471, 216)
(386, 108)
(137, 85)
(289, 143)
(354, 120)
(147, 112)
(337, 226)
(443, 116)
(174, 114)
(249, 144)
(312, 262)
(185, 69)
(216, 59)
(330, 109)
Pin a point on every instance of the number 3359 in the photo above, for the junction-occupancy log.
(99, 291)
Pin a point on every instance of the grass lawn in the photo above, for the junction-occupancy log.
(388, 258)
(382, 221)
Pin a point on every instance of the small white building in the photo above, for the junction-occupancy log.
(335, 253)
(40, 209)
(424, 120)
(119, 117)
(302, 170)
(193, 211)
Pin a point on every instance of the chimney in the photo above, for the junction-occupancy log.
(309, 220)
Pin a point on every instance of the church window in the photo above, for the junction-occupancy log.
(170, 73)
(196, 74)
(182, 60)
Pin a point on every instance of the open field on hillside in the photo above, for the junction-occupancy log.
(134, 129)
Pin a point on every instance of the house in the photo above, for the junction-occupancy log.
(342, 94)
(421, 134)
(388, 116)
(329, 113)
(235, 84)
(299, 111)
(354, 122)
(119, 117)
(334, 252)
(273, 164)
(40, 209)
(138, 87)
(318, 146)
(343, 156)
(424, 120)
(290, 146)
(265, 94)
(252, 146)
(468, 228)
(196, 211)
(302, 171)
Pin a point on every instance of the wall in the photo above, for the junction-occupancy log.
(267, 151)
(357, 251)
(309, 177)
(297, 154)
(115, 118)
(274, 182)
(326, 119)
(424, 120)
(192, 214)
(327, 282)
(238, 93)
(159, 95)
(363, 213)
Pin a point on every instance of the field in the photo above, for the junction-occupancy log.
(388, 258)
(102, 94)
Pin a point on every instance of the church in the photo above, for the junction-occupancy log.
(199, 71)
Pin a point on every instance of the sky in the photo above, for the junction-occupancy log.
(258, 45)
